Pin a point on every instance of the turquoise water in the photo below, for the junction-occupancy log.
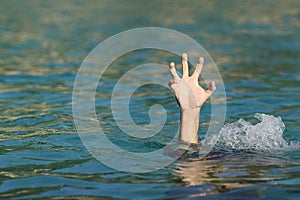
(255, 44)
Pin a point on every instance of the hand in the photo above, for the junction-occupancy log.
(188, 92)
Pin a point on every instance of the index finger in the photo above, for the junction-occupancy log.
(173, 71)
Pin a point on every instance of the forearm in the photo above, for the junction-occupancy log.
(189, 123)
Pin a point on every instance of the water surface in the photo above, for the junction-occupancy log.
(255, 44)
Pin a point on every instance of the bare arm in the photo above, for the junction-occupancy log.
(190, 96)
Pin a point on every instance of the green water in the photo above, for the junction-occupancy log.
(255, 44)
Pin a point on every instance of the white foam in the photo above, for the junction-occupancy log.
(265, 135)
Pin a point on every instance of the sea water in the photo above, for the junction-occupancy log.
(256, 47)
(266, 135)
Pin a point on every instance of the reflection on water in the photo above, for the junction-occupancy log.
(223, 172)
(255, 44)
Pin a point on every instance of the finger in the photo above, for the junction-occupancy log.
(185, 67)
(198, 69)
(173, 71)
(172, 84)
(211, 88)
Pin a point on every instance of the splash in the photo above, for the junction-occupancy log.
(266, 135)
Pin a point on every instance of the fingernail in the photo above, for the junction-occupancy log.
(201, 60)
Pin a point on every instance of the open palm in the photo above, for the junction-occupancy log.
(187, 90)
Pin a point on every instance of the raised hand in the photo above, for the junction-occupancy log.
(190, 97)
(187, 90)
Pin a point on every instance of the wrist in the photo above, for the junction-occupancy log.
(190, 110)
(189, 125)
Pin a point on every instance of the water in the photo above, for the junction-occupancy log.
(267, 135)
(256, 46)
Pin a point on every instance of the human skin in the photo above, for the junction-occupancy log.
(190, 97)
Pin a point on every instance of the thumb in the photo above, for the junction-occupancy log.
(211, 88)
